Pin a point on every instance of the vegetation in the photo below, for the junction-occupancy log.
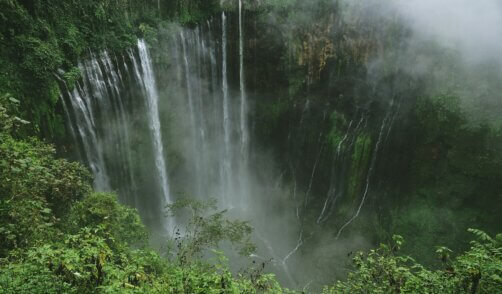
(383, 271)
(440, 174)
(205, 229)
(360, 163)
(57, 236)
(41, 39)
(437, 169)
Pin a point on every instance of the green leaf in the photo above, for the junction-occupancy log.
(14, 100)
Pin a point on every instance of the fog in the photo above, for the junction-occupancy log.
(473, 27)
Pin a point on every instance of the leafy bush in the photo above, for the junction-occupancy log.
(29, 170)
(35, 188)
(115, 223)
(8, 108)
(382, 270)
(58, 237)
(206, 228)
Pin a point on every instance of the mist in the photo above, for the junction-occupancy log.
(444, 47)
(472, 27)
(251, 146)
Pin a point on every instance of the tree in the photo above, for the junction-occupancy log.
(205, 228)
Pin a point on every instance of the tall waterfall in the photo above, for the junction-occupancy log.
(191, 108)
(174, 121)
(107, 121)
(226, 163)
(86, 130)
(132, 116)
(244, 102)
(152, 98)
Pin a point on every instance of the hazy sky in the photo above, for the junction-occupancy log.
(472, 26)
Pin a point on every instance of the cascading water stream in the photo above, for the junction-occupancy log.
(119, 108)
(153, 118)
(104, 118)
(332, 190)
(202, 54)
(213, 72)
(368, 176)
(189, 87)
(196, 67)
(213, 118)
(244, 102)
(282, 261)
(86, 129)
(339, 169)
(124, 137)
(226, 163)
(119, 104)
(198, 137)
(314, 168)
(394, 116)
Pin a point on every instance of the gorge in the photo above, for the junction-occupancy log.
(328, 127)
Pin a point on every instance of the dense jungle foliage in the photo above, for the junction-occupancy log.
(59, 236)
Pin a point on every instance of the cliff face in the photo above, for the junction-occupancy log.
(330, 123)
(367, 122)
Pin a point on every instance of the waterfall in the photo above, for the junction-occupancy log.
(80, 102)
(396, 113)
(104, 117)
(213, 71)
(87, 132)
(307, 194)
(212, 119)
(201, 105)
(124, 137)
(187, 128)
(189, 87)
(191, 108)
(339, 168)
(282, 262)
(332, 187)
(368, 176)
(153, 118)
(226, 164)
(101, 85)
(118, 108)
(244, 102)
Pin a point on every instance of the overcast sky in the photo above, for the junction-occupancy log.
(472, 26)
